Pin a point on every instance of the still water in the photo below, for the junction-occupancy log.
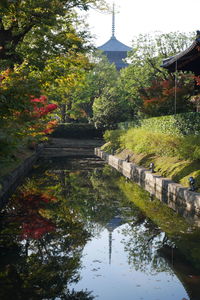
(76, 229)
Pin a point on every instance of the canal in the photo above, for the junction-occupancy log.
(76, 229)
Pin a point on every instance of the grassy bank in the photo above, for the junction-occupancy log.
(176, 156)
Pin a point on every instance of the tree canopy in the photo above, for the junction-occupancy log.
(38, 25)
(144, 79)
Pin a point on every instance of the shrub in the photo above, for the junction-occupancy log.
(112, 138)
(179, 124)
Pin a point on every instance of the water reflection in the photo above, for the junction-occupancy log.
(73, 219)
(41, 243)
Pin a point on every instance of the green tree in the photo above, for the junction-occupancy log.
(38, 22)
(62, 79)
(98, 81)
(108, 110)
(145, 65)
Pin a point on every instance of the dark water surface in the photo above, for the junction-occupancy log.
(76, 229)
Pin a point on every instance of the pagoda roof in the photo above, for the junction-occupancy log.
(114, 45)
(187, 60)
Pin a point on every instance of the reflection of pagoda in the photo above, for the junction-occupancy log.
(111, 226)
(114, 49)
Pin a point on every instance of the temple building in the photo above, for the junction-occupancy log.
(187, 60)
(115, 51)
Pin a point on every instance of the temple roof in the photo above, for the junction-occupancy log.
(187, 60)
(114, 45)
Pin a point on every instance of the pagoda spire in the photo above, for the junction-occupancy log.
(113, 21)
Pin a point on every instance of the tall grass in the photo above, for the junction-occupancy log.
(175, 155)
(143, 141)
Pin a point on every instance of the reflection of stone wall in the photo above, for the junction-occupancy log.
(176, 196)
(9, 183)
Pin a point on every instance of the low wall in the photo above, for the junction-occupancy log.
(9, 183)
(179, 198)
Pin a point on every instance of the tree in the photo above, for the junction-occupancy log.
(108, 110)
(23, 21)
(33, 34)
(98, 81)
(62, 79)
(145, 66)
(163, 97)
(23, 111)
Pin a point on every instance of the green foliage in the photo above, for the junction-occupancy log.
(16, 86)
(36, 30)
(144, 71)
(108, 104)
(98, 81)
(141, 140)
(171, 142)
(179, 124)
(15, 89)
(161, 45)
(175, 155)
(107, 111)
(112, 138)
(42, 48)
(62, 79)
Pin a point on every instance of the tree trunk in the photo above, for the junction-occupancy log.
(63, 113)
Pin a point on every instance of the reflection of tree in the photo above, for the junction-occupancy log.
(92, 197)
(143, 242)
(41, 244)
(96, 199)
(160, 228)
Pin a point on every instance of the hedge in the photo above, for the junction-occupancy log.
(76, 130)
(179, 124)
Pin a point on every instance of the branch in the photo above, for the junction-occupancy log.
(8, 37)
(156, 68)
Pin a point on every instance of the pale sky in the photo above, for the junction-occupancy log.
(143, 16)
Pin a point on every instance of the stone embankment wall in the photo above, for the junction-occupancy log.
(9, 183)
(56, 147)
(179, 198)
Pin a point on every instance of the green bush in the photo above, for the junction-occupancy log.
(179, 124)
(176, 156)
(112, 138)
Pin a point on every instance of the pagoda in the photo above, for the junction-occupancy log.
(115, 51)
